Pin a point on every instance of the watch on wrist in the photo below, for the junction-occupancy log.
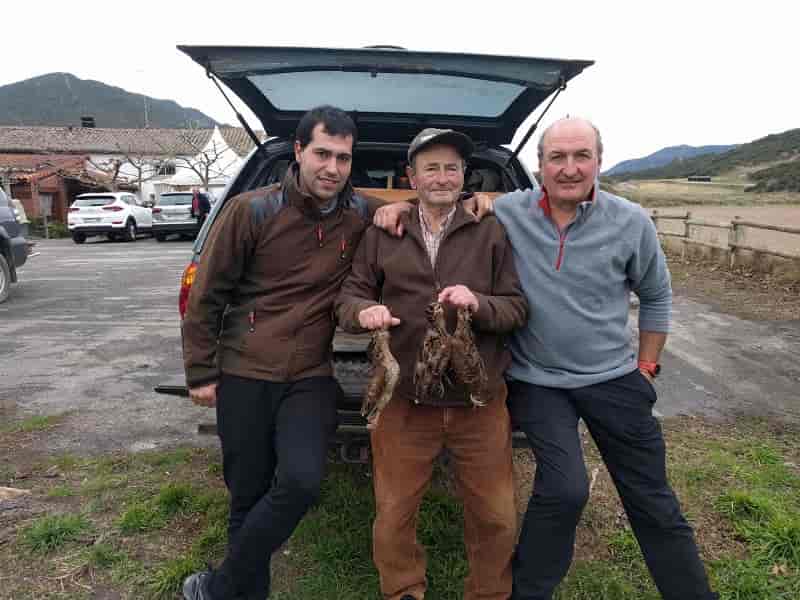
(652, 368)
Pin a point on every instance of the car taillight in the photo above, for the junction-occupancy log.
(186, 285)
(73, 209)
(156, 210)
(113, 208)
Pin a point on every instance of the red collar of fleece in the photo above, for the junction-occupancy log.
(544, 201)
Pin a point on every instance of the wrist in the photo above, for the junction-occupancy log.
(650, 367)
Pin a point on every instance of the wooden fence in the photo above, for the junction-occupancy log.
(733, 243)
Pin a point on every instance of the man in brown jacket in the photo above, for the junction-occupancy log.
(257, 343)
(445, 255)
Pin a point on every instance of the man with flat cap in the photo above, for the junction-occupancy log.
(449, 257)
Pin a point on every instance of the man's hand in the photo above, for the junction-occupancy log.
(647, 376)
(387, 217)
(479, 205)
(205, 395)
(459, 295)
(377, 317)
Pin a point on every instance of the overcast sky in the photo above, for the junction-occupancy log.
(666, 73)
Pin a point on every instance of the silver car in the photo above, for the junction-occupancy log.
(174, 213)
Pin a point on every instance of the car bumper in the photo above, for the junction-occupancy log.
(175, 227)
(19, 251)
(96, 229)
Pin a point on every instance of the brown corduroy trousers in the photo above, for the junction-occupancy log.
(405, 446)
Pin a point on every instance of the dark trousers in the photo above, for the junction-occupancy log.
(274, 447)
(618, 414)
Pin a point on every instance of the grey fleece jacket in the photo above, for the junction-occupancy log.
(578, 283)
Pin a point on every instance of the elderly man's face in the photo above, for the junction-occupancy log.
(437, 175)
(570, 163)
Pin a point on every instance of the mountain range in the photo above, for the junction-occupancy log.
(664, 157)
(62, 99)
(772, 163)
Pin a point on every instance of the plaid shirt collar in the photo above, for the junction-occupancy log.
(434, 239)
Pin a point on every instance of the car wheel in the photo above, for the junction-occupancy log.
(78, 238)
(130, 231)
(5, 278)
(160, 237)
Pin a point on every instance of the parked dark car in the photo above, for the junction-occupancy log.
(13, 246)
(182, 213)
(392, 94)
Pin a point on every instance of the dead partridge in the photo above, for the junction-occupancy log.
(385, 373)
(433, 358)
(466, 361)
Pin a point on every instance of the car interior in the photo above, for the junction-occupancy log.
(386, 170)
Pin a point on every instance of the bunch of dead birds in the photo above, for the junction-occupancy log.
(441, 356)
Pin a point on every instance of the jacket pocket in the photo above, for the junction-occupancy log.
(313, 345)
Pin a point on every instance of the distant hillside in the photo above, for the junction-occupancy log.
(61, 99)
(779, 147)
(664, 157)
(779, 178)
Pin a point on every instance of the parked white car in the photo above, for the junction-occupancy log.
(118, 215)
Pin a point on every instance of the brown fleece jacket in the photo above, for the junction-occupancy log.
(261, 303)
(397, 272)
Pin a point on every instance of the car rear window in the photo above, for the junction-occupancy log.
(93, 201)
(175, 200)
(394, 93)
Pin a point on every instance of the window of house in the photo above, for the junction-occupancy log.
(166, 168)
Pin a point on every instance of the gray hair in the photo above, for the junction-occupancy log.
(598, 138)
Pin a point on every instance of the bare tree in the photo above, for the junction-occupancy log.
(193, 151)
(110, 168)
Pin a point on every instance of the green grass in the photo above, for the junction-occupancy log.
(170, 458)
(168, 578)
(60, 491)
(34, 423)
(605, 580)
(160, 516)
(175, 498)
(141, 517)
(52, 532)
(332, 547)
(105, 556)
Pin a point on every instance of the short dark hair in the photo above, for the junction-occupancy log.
(334, 120)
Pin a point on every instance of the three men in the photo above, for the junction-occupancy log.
(444, 256)
(579, 253)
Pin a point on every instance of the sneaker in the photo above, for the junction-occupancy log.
(196, 586)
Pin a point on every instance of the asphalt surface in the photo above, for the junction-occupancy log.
(90, 329)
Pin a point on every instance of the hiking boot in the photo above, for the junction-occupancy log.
(196, 586)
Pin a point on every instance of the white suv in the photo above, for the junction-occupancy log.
(114, 214)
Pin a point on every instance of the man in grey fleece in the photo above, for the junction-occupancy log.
(579, 253)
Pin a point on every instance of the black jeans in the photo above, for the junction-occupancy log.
(274, 448)
(618, 414)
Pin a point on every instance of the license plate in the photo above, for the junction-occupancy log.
(91, 220)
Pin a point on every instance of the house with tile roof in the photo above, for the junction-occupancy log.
(37, 163)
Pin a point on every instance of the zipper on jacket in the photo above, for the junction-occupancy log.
(562, 236)
(319, 233)
(251, 318)
(343, 249)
